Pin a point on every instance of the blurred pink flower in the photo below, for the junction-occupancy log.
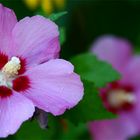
(121, 97)
(28, 78)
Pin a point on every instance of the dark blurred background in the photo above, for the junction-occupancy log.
(88, 19)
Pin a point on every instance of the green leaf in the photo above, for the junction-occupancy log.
(89, 109)
(30, 130)
(135, 138)
(56, 16)
(73, 132)
(94, 70)
(58, 129)
(62, 37)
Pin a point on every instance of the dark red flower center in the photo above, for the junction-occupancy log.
(23, 66)
(21, 83)
(3, 60)
(117, 97)
(11, 77)
(4, 91)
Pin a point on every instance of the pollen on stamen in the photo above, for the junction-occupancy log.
(118, 97)
(11, 67)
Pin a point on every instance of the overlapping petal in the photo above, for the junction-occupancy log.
(114, 50)
(36, 39)
(7, 23)
(131, 74)
(14, 110)
(54, 86)
(117, 129)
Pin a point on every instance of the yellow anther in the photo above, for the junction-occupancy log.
(116, 98)
(11, 67)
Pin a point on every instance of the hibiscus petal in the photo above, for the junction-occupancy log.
(132, 72)
(116, 129)
(14, 110)
(135, 113)
(54, 67)
(114, 50)
(36, 39)
(7, 23)
(54, 86)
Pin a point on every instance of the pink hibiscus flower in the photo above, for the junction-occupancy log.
(28, 78)
(121, 97)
